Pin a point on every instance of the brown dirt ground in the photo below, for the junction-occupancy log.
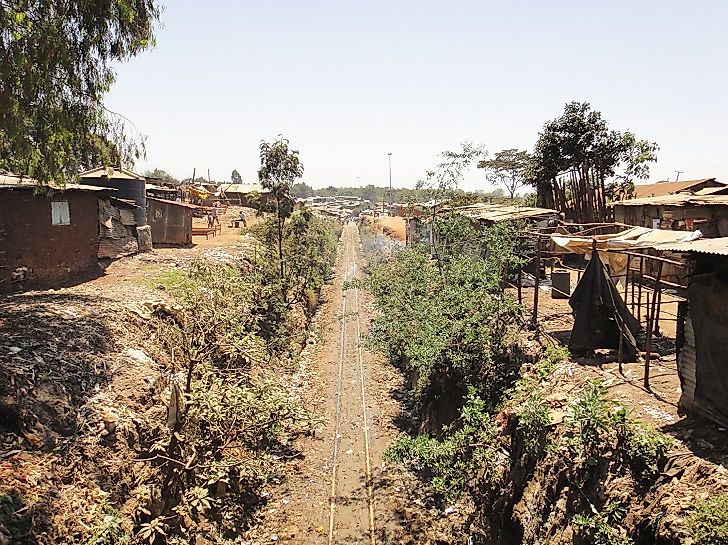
(392, 226)
(299, 508)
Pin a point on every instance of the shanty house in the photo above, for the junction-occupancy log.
(171, 222)
(47, 240)
(677, 212)
(419, 228)
(250, 195)
(128, 184)
(660, 189)
(703, 343)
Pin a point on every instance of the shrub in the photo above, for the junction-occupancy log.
(645, 449)
(448, 320)
(603, 528)
(460, 461)
(534, 421)
(588, 420)
(708, 522)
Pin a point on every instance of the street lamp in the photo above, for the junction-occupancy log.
(389, 155)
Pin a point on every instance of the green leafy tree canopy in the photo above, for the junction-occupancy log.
(507, 168)
(56, 66)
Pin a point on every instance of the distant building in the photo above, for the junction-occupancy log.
(244, 194)
(661, 189)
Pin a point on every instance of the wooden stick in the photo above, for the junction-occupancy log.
(534, 317)
(650, 324)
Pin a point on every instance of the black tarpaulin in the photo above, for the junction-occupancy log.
(600, 315)
(708, 296)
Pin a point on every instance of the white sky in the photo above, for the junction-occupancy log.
(349, 81)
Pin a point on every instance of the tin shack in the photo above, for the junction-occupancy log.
(677, 212)
(171, 222)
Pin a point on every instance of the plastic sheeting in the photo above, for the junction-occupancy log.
(600, 315)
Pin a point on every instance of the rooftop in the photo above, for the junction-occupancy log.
(668, 188)
(677, 199)
(111, 172)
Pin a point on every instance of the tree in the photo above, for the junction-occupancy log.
(442, 183)
(235, 177)
(279, 168)
(574, 157)
(508, 169)
(162, 175)
(56, 65)
(301, 190)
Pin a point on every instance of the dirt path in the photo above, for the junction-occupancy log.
(332, 494)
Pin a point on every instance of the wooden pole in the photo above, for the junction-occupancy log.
(632, 297)
(650, 324)
(639, 292)
(534, 317)
(626, 279)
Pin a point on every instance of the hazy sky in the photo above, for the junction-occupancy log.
(349, 81)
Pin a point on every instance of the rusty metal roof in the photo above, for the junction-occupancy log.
(660, 189)
(25, 183)
(715, 246)
(503, 212)
(167, 201)
(678, 199)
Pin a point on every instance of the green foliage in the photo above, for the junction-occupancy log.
(645, 448)
(588, 420)
(108, 528)
(507, 168)
(226, 421)
(235, 177)
(708, 523)
(58, 63)
(309, 245)
(452, 325)
(552, 356)
(603, 528)
(162, 175)
(280, 166)
(469, 450)
(579, 142)
(534, 422)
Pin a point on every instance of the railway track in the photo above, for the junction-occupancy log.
(344, 504)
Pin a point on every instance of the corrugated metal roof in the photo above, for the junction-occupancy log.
(722, 190)
(503, 212)
(24, 183)
(241, 188)
(679, 199)
(111, 172)
(167, 201)
(660, 189)
(716, 246)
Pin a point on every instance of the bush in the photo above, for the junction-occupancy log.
(708, 522)
(645, 449)
(459, 462)
(588, 420)
(534, 422)
(603, 528)
(448, 320)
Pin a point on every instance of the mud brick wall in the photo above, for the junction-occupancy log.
(54, 255)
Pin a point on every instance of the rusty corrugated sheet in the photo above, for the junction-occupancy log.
(715, 246)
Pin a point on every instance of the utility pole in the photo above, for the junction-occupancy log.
(389, 155)
(678, 172)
